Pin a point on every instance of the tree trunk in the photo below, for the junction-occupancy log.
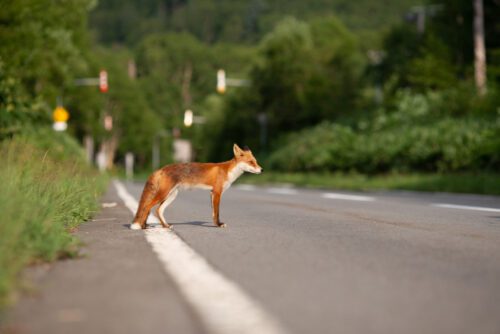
(479, 49)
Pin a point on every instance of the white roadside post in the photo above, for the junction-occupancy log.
(221, 81)
(155, 157)
(129, 165)
(188, 118)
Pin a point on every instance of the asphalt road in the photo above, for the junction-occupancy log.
(316, 261)
(379, 263)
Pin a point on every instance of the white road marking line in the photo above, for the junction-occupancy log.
(465, 207)
(247, 187)
(282, 191)
(348, 197)
(221, 305)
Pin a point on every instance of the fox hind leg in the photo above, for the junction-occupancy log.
(166, 202)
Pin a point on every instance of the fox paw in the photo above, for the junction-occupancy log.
(135, 226)
(222, 225)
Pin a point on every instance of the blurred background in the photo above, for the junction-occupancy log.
(312, 87)
(388, 94)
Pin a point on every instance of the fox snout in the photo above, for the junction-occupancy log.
(254, 169)
(257, 169)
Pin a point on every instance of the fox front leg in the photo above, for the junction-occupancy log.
(215, 208)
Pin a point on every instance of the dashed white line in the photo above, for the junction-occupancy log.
(282, 191)
(330, 195)
(221, 305)
(348, 197)
(466, 207)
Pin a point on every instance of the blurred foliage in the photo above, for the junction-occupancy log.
(416, 135)
(42, 43)
(174, 79)
(233, 21)
(45, 47)
(303, 73)
(16, 109)
(353, 65)
(443, 54)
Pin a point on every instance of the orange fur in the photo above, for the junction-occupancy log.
(163, 184)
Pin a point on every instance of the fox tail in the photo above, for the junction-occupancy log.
(149, 199)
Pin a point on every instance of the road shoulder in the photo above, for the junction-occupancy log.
(116, 286)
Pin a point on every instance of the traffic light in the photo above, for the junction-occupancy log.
(103, 81)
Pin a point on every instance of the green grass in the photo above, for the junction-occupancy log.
(43, 197)
(483, 183)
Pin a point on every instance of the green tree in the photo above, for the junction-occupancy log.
(303, 74)
(41, 43)
(42, 49)
(442, 55)
(135, 123)
(334, 90)
(281, 76)
(434, 68)
(176, 71)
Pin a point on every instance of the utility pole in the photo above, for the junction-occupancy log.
(155, 157)
(479, 49)
(419, 14)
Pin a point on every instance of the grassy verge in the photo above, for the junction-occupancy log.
(483, 183)
(45, 193)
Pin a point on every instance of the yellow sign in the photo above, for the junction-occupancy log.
(60, 114)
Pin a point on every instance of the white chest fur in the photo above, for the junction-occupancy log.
(233, 174)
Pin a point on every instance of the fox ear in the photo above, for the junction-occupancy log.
(237, 150)
(246, 148)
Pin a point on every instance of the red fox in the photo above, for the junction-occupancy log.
(163, 185)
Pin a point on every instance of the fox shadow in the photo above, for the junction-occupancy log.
(194, 223)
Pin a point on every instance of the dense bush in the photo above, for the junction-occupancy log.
(446, 145)
(415, 136)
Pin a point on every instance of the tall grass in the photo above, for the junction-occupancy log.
(44, 194)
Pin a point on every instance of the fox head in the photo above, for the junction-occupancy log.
(245, 158)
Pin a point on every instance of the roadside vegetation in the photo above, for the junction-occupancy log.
(467, 183)
(47, 190)
(417, 134)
